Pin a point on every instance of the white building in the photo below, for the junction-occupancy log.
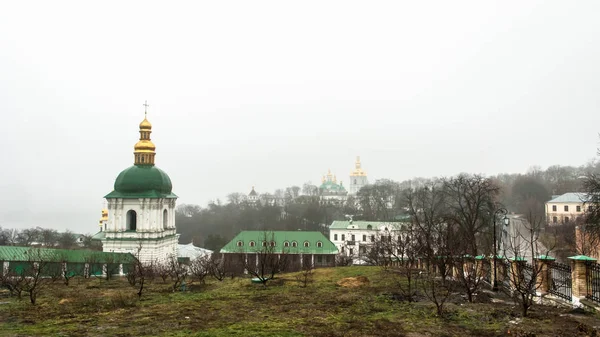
(358, 178)
(141, 208)
(253, 196)
(353, 238)
(192, 252)
(566, 208)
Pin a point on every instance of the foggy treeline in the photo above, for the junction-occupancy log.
(300, 208)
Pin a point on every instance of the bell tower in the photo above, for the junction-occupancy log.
(358, 178)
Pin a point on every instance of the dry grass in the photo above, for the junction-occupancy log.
(238, 308)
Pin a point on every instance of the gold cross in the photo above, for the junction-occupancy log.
(145, 108)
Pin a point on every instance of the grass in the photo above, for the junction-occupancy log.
(235, 307)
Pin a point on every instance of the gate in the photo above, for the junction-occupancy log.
(561, 286)
(593, 281)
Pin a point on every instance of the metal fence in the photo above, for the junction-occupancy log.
(593, 281)
(561, 284)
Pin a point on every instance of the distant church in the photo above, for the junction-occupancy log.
(358, 178)
(140, 218)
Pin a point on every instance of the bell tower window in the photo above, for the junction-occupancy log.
(131, 220)
(165, 219)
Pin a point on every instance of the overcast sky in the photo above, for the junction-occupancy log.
(273, 94)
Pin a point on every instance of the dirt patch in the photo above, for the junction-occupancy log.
(353, 282)
(64, 300)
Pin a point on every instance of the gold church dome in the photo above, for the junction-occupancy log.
(145, 125)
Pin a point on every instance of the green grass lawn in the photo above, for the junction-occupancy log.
(235, 307)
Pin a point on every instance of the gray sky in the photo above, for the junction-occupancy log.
(274, 93)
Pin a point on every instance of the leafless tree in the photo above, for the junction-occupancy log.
(269, 259)
(471, 200)
(305, 276)
(163, 270)
(37, 266)
(522, 243)
(177, 271)
(218, 267)
(200, 267)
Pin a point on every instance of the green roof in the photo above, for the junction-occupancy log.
(142, 181)
(364, 225)
(330, 186)
(581, 258)
(280, 238)
(11, 253)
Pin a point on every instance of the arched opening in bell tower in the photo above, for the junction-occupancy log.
(165, 219)
(131, 220)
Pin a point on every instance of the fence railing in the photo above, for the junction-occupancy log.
(592, 276)
(561, 284)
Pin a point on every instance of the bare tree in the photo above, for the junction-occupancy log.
(200, 267)
(37, 267)
(471, 200)
(522, 243)
(177, 271)
(268, 259)
(305, 276)
(218, 267)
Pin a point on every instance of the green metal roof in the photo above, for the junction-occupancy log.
(99, 236)
(581, 258)
(330, 186)
(364, 225)
(142, 181)
(280, 237)
(11, 253)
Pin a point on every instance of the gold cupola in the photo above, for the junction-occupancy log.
(144, 149)
(358, 171)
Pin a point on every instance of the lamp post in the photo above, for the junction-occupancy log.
(499, 211)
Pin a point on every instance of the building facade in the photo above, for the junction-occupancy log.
(566, 208)
(355, 238)
(298, 248)
(141, 207)
(358, 178)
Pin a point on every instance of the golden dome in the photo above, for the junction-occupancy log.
(104, 215)
(358, 171)
(145, 125)
(144, 146)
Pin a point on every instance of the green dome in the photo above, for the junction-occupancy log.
(142, 181)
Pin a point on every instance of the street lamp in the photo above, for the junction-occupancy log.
(499, 211)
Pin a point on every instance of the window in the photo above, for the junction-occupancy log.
(342, 249)
(386, 229)
(334, 237)
(306, 244)
(369, 227)
(319, 259)
(372, 238)
(286, 244)
(165, 219)
(251, 243)
(319, 244)
(343, 237)
(350, 250)
(264, 243)
(364, 237)
(566, 208)
(554, 219)
(553, 208)
(131, 220)
(354, 181)
(272, 243)
(578, 208)
(240, 243)
(294, 244)
(352, 237)
(566, 219)
(399, 238)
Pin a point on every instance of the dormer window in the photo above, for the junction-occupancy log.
(294, 244)
(252, 244)
(319, 244)
(369, 227)
(240, 243)
(286, 243)
(306, 244)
